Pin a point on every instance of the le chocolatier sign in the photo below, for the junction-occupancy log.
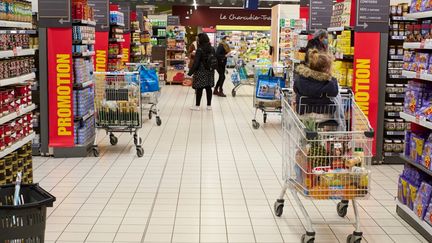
(205, 16)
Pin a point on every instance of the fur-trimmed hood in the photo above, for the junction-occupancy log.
(308, 73)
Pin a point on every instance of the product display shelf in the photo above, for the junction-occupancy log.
(419, 15)
(13, 115)
(416, 75)
(341, 44)
(18, 144)
(422, 122)
(115, 53)
(17, 80)
(427, 45)
(15, 24)
(412, 219)
(18, 52)
(175, 54)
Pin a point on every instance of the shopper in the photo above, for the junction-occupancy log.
(319, 42)
(315, 82)
(203, 75)
(222, 52)
(191, 52)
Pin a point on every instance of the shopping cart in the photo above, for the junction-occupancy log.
(118, 106)
(149, 100)
(327, 154)
(270, 104)
(242, 75)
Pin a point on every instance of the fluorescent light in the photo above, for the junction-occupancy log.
(195, 4)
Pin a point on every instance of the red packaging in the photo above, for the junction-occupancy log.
(8, 140)
(1, 131)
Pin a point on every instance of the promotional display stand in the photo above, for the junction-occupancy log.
(176, 57)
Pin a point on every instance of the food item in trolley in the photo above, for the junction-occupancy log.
(422, 199)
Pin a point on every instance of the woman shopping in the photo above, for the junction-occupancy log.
(222, 52)
(202, 74)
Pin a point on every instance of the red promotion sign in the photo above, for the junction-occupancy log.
(126, 48)
(101, 48)
(60, 88)
(366, 75)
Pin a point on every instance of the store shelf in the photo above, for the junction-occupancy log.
(116, 40)
(418, 45)
(17, 145)
(114, 56)
(422, 76)
(84, 54)
(395, 133)
(79, 150)
(28, 32)
(402, 18)
(16, 114)
(419, 15)
(177, 50)
(176, 60)
(17, 80)
(117, 24)
(392, 76)
(136, 44)
(418, 121)
(393, 114)
(396, 57)
(14, 24)
(392, 154)
(85, 117)
(83, 85)
(84, 22)
(336, 29)
(18, 53)
(414, 221)
(84, 42)
(396, 96)
(398, 37)
(417, 165)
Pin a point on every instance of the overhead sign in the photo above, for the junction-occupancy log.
(55, 13)
(173, 20)
(320, 14)
(125, 9)
(372, 15)
(101, 14)
(251, 4)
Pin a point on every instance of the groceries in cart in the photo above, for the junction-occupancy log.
(268, 86)
(149, 79)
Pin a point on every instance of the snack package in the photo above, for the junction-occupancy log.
(402, 190)
(416, 149)
(427, 153)
(428, 214)
(422, 199)
(412, 194)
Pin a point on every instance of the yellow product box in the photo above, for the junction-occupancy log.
(350, 77)
(345, 42)
(346, 34)
(352, 50)
(346, 50)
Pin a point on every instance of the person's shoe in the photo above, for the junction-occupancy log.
(195, 108)
(215, 92)
(209, 108)
(221, 94)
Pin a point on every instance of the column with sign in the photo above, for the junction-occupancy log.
(320, 14)
(125, 9)
(101, 15)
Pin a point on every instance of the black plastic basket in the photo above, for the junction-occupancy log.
(24, 223)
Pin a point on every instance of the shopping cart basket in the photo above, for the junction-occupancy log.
(327, 154)
(242, 75)
(118, 106)
(149, 98)
(267, 96)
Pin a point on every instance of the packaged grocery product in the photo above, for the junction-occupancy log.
(428, 214)
(416, 150)
(422, 199)
(402, 190)
(412, 194)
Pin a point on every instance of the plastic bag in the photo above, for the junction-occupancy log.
(268, 86)
(149, 80)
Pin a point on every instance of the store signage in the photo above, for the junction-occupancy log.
(372, 15)
(366, 75)
(101, 14)
(126, 48)
(60, 88)
(251, 4)
(173, 20)
(125, 9)
(55, 13)
(249, 17)
(320, 14)
(101, 49)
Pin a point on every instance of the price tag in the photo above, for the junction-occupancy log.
(422, 44)
(15, 51)
(417, 75)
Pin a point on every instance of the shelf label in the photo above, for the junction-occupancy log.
(320, 14)
(101, 14)
(55, 13)
(372, 16)
(60, 88)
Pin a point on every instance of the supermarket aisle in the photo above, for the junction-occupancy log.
(205, 177)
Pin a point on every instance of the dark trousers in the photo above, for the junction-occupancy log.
(219, 85)
(199, 93)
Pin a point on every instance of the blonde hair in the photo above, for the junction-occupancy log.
(320, 61)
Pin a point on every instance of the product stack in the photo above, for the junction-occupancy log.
(140, 39)
(115, 50)
(341, 14)
(176, 57)
(17, 64)
(394, 125)
(342, 46)
(415, 188)
(83, 68)
(159, 32)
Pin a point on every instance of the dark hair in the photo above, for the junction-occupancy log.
(204, 42)
(225, 37)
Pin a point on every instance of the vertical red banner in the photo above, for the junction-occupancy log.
(60, 88)
(101, 49)
(126, 48)
(366, 75)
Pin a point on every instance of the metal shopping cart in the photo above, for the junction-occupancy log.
(149, 100)
(118, 106)
(270, 104)
(243, 74)
(327, 154)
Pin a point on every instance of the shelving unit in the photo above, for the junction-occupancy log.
(17, 105)
(115, 52)
(175, 54)
(341, 41)
(418, 124)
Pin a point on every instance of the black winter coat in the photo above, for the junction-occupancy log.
(317, 87)
(221, 56)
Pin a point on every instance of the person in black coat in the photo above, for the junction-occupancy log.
(315, 82)
(222, 52)
(202, 75)
(319, 42)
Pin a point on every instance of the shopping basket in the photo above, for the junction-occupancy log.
(26, 222)
(327, 154)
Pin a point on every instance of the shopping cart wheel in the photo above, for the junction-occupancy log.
(309, 237)
(233, 93)
(140, 151)
(150, 115)
(355, 237)
(255, 124)
(95, 151)
(265, 118)
(158, 121)
(278, 207)
(342, 208)
(113, 139)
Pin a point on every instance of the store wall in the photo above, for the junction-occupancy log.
(207, 17)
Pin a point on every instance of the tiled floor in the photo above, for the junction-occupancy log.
(206, 176)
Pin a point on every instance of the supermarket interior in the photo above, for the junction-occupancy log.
(317, 127)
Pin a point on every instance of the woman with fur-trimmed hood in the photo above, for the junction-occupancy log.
(315, 82)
